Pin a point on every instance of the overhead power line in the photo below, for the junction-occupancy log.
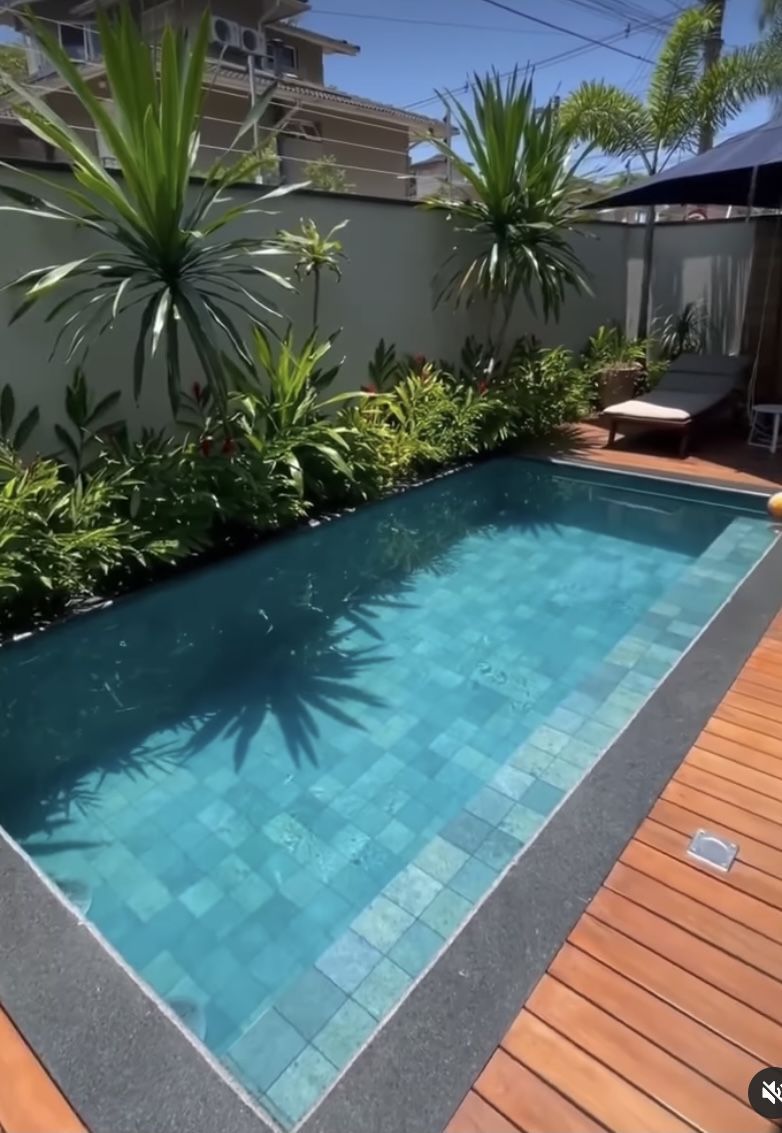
(427, 23)
(565, 31)
(549, 60)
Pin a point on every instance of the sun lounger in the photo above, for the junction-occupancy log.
(695, 387)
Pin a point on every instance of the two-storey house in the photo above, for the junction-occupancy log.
(253, 42)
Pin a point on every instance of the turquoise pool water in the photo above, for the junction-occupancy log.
(283, 782)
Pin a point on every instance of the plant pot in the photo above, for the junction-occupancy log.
(617, 383)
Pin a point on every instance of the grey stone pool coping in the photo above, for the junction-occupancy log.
(125, 1063)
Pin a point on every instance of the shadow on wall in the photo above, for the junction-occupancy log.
(701, 261)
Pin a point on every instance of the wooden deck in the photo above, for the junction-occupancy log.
(720, 455)
(667, 996)
(30, 1102)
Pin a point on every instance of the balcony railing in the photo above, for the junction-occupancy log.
(80, 41)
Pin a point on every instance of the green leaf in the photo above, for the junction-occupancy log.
(26, 427)
(68, 443)
(7, 410)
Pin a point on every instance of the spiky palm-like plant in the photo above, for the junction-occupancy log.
(161, 253)
(521, 207)
(683, 97)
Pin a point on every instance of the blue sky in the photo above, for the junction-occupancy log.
(411, 47)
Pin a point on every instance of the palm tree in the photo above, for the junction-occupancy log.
(684, 98)
(522, 202)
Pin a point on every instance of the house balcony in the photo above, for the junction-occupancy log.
(81, 43)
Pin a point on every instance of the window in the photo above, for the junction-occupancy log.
(303, 129)
(283, 56)
(74, 40)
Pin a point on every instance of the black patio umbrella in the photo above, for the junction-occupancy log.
(744, 170)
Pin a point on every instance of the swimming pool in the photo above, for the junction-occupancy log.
(282, 783)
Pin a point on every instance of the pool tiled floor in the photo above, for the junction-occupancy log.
(297, 904)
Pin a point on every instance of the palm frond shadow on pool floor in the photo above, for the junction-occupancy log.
(293, 634)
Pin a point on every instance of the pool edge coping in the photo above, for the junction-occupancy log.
(70, 1021)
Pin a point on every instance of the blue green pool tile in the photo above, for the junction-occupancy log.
(274, 964)
(345, 1033)
(563, 774)
(512, 782)
(565, 720)
(498, 849)
(348, 961)
(236, 833)
(266, 1049)
(221, 1029)
(521, 823)
(447, 911)
(242, 996)
(396, 837)
(310, 1002)
(595, 732)
(147, 899)
(531, 759)
(224, 917)
(382, 988)
(549, 739)
(542, 797)
(489, 805)
(473, 879)
(163, 972)
(416, 948)
(252, 892)
(214, 968)
(188, 834)
(440, 859)
(171, 923)
(352, 882)
(208, 852)
(299, 1087)
(328, 907)
(412, 889)
(301, 887)
(249, 939)
(382, 923)
(466, 831)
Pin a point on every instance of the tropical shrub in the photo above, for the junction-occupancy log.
(428, 418)
(276, 408)
(62, 538)
(160, 251)
(541, 391)
(86, 420)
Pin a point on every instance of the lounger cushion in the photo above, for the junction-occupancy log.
(694, 384)
(666, 405)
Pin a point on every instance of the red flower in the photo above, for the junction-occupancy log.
(483, 387)
(206, 446)
(229, 446)
(370, 389)
(419, 361)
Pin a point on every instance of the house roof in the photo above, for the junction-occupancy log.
(330, 45)
(311, 94)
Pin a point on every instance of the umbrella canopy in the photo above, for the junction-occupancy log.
(721, 176)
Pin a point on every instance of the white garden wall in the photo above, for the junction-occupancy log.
(394, 251)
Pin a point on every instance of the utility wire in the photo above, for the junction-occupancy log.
(547, 61)
(565, 31)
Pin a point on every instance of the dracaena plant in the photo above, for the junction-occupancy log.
(161, 254)
(517, 221)
(314, 253)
